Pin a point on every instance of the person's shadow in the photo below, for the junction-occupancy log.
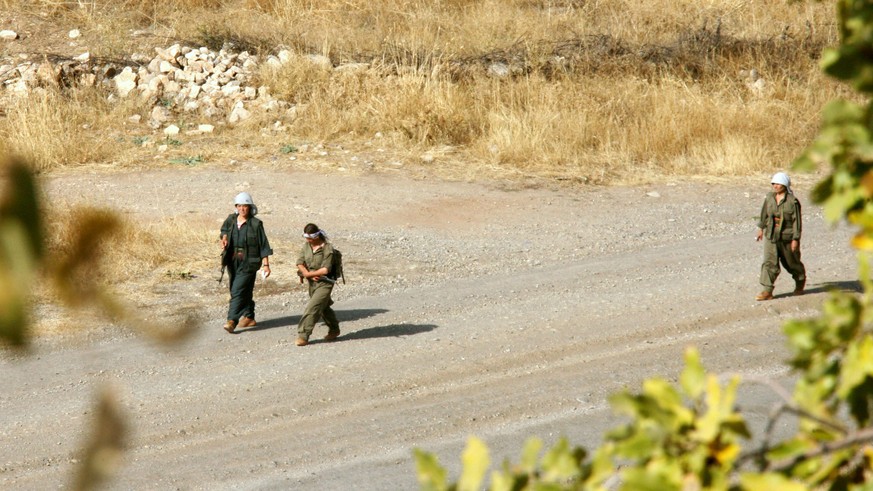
(293, 320)
(389, 331)
(828, 286)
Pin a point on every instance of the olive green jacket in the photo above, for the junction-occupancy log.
(250, 238)
(323, 258)
(782, 221)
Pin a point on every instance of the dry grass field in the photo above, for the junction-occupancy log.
(605, 91)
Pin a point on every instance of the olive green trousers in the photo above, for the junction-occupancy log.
(776, 253)
(318, 308)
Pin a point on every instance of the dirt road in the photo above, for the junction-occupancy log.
(470, 309)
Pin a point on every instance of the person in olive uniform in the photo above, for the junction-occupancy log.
(315, 265)
(780, 224)
(246, 248)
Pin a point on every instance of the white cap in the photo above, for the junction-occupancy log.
(783, 179)
(246, 199)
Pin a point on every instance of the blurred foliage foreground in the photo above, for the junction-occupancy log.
(678, 438)
(24, 260)
(689, 437)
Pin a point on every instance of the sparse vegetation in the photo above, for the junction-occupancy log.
(602, 92)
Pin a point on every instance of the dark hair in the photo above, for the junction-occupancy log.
(311, 228)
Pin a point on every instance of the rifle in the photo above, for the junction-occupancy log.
(225, 260)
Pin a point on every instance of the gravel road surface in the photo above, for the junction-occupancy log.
(470, 309)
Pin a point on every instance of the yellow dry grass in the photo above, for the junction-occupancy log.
(607, 91)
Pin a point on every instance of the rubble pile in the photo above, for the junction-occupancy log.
(214, 84)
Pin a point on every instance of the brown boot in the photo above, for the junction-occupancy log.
(765, 295)
(230, 326)
(799, 286)
(331, 335)
(247, 322)
(301, 342)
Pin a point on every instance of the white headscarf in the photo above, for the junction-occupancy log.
(246, 199)
(783, 179)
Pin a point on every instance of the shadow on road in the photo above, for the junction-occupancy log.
(293, 320)
(827, 286)
(392, 331)
(847, 286)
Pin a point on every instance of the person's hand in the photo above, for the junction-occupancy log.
(759, 235)
(795, 245)
(266, 271)
(223, 242)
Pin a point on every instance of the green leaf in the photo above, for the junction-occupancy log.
(694, 376)
(560, 462)
(475, 461)
(857, 366)
(769, 482)
(431, 475)
(21, 249)
(530, 454)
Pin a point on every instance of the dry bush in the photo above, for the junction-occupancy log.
(52, 127)
(138, 255)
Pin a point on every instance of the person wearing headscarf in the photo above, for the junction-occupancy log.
(780, 226)
(246, 249)
(315, 265)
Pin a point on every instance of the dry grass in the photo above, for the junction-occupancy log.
(138, 252)
(53, 128)
(605, 91)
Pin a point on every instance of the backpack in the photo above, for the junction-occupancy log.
(336, 268)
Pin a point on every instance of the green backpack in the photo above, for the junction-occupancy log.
(336, 269)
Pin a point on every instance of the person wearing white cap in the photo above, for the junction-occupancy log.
(780, 224)
(246, 249)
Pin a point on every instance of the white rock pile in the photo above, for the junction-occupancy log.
(214, 84)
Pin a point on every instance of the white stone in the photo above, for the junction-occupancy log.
(83, 57)
(155, 65)
(8, 35)
(759, 85)
(193, 91)
(499, 70)
(125, 81)
(230, 89)
(160, 114)
(166, 67)
(136, 118)
(205, 128)
(320, 60)
(238, 113)
(74, 34)
(353, 67)
(171, 130)
(171, 88)
(285, 56)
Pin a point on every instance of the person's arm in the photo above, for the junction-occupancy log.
(225, 231)
(797, 228)
(266, 250)
(762, 220)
